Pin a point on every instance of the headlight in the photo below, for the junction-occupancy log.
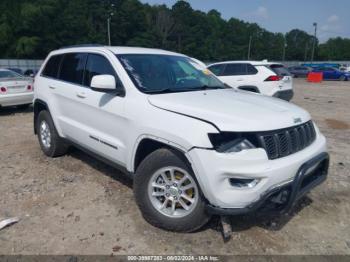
(230, 142)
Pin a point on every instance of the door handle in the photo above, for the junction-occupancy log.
(52, 87)
(81, 95)
(240, 79)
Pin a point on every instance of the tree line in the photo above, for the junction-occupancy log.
(32, 28)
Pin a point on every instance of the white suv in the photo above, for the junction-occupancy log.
(192, 146)
(271, 79)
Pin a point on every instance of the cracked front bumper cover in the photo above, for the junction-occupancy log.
(281, 199)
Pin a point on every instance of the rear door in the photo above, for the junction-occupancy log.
(65, 92)
(234, 74)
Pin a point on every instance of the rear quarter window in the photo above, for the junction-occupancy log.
(52, 66)
(279, 70)
(251, 70)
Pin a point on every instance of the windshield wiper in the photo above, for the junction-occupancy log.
(159, 91)
(172, 90)
(206, 87)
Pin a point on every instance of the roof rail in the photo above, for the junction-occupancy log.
(82, 45)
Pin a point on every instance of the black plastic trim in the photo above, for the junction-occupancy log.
(100, 158)
(285, 94)
(35, 113)
(253, 89)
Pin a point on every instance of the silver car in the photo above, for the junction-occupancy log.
(15, 89)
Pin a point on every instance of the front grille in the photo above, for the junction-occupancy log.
(287, 141)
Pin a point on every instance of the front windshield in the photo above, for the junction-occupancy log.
(8, 74)
(153, 73)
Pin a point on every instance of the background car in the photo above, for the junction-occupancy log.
(345, 68)
(267, 78)
(331, 73)
(15, 89)
(30, 72)
(17, 70)
(299, 71)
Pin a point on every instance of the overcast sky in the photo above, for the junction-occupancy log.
(332, 16)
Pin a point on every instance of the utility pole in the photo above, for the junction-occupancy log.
(306, 48)
(314, 43)
(284, 49)
(109, 24)
(109, 30)
(249, 46)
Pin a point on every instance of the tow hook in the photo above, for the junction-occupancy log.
(226, 228)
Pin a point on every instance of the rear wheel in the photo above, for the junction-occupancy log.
(342, 78)
(50, 142)
(167, 192)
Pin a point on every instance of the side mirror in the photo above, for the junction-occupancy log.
(103, 83)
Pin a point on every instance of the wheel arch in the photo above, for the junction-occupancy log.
(249, 88)
(145, 145)
(39, 106)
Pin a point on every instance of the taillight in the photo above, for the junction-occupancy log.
(3, 89)
(29, 87)
(273, 78)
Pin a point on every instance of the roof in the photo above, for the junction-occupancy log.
(256, 63)
(118, 50)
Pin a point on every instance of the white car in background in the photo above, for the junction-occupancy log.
(267, 78)
(15, 89)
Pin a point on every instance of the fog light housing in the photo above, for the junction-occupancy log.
(244, 182)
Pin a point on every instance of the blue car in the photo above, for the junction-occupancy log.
(331, 73)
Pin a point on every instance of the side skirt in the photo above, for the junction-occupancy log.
(101, 158)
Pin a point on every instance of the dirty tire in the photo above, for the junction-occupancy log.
(156, 160)
(58, 146)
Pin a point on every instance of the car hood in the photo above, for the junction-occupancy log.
(232, 110)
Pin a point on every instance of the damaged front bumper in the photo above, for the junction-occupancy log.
(282, 198)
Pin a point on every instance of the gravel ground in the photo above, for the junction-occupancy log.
(78, 205)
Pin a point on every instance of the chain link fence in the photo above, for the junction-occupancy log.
(23, 64)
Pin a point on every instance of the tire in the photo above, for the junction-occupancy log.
(54, 146)
(342, 78)
(182, 220)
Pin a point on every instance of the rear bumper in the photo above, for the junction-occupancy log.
(285, 94)
(282, 198)
(16, 99)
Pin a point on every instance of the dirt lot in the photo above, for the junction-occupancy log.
(77, 205)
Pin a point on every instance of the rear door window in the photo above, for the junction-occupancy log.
(235, 69)
(280, 70)
(72, 68)
(251, 70)
(52, 66)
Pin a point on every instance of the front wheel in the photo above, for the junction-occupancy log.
(167, 192)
